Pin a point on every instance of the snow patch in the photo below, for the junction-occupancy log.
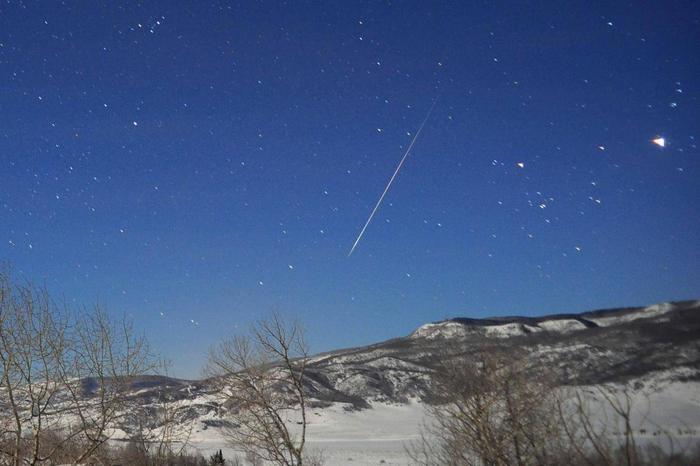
(561, 325)
(649, 312)
(509, 330)
(441, 330)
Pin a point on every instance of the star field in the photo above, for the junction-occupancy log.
(195, 166)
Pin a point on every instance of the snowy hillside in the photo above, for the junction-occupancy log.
(366, 403)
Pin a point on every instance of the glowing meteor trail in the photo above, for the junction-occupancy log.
(391, 180)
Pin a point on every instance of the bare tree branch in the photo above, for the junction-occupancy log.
(262, 376)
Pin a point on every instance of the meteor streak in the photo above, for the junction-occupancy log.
(391, 180)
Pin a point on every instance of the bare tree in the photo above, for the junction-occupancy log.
(159, 435)
(32, 342)
(103, 361)
(492, 411)
(597, 422)
(63, 376)
(262, 378)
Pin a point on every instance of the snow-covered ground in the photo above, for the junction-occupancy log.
(380, 435)
(367, 436)
(347, 437)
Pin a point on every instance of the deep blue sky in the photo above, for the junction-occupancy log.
(212, 162)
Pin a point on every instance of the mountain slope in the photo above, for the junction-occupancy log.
(583, 349)
(588, 348)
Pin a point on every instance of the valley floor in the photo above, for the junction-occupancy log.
(381, 434)
(362, 437)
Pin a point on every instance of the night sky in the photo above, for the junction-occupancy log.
(195, 165)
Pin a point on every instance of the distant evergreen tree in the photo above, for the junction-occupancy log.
(217, 459)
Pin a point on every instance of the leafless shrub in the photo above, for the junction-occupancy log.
(598, 425)
(314, 458)
(495, 410)
(491, 413)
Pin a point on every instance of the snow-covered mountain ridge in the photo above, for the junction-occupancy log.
(504, 327)
(632, 344)
(590, 347)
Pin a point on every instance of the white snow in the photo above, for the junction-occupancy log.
(561, 325)
(384, 431)
(456, 329)
(509, 330)
(648, 312)
(441, 330)
(346, 437)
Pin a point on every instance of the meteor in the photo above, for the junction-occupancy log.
(391, 180)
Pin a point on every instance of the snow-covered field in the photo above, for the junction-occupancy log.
(347, 437)
(380, 435)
